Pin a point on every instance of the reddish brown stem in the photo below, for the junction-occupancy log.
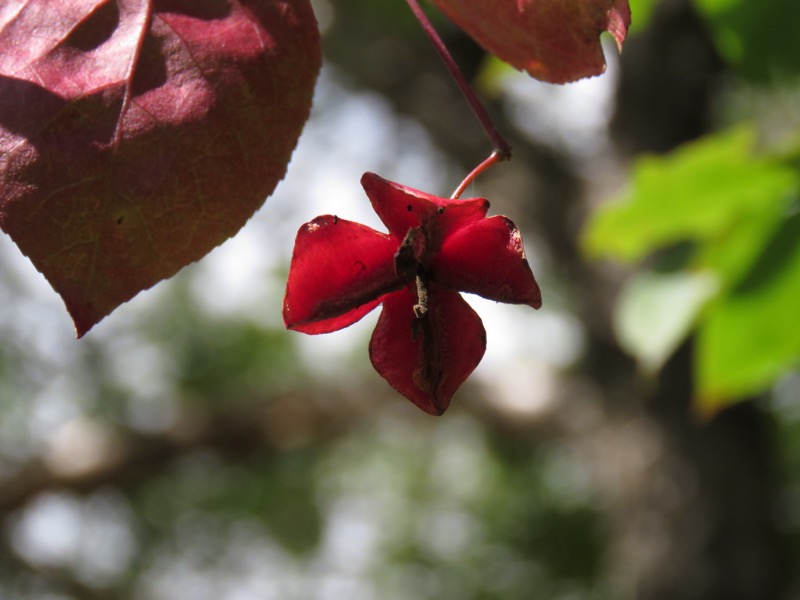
(494, 158)
(499, 144)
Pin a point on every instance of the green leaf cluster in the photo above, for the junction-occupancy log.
(717, 223)
(758, 39)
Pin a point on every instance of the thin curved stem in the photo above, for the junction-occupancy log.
(499, 144)
(494, 158)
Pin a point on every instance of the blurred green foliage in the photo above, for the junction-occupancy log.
(715, 223)
(640, 14)
(758, 39)
(247, 487)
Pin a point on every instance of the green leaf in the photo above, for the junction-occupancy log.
(640, 14)
(699, 192)
(732, 252)
(736, 213)
(752, 335)
(758, 38)
(655, 312)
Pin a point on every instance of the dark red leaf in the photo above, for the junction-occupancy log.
(338, 272)
(554, 40)
(137, 135)
(487, 258)
(427, 359)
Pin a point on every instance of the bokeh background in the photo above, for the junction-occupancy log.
(190, 449)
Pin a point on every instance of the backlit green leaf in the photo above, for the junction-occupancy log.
(655, 312)
(640, 13)
(701, 192)
(753, 334)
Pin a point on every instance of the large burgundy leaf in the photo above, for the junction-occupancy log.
(427, 359)
(554, 40)
(137, 135)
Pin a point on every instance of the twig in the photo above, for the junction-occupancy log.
(501, 148)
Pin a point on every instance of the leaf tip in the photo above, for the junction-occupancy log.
(83, 325)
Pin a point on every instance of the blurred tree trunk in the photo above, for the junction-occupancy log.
(700, 526)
